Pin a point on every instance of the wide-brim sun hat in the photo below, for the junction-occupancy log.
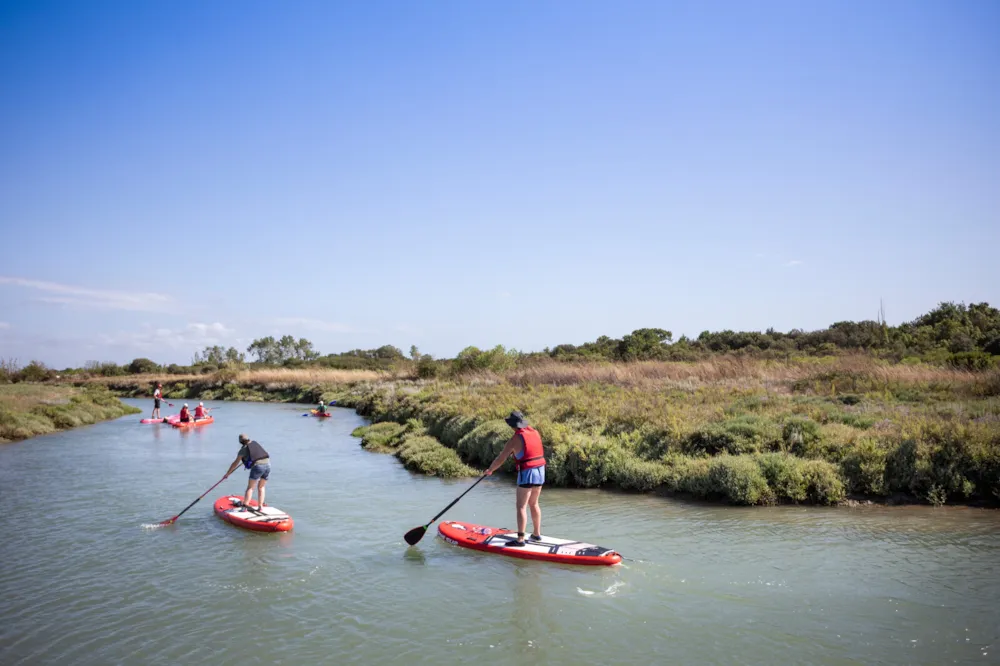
(516, 420)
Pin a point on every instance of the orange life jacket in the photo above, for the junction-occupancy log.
(533, 454)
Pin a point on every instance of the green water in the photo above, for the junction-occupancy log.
(83, 583)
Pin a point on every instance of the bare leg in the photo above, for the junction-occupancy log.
(522, 502)
(249, 494)
(260, 493)
(536, 511)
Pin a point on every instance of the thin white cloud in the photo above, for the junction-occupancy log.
(4, 324)
(194, 337)
(794, 262)
(314, 324)
(85, 297)
(503, 294)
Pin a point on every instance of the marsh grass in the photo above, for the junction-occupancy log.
(815, 432)
(28, 410)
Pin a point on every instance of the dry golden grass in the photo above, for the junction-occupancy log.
(270, 376)
(22, 397)
(737, 371)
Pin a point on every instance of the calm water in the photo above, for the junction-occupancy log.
(82, 582)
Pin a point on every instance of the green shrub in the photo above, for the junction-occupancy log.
(865, 467)
(739, 480)
(141, 366)
(426, 455)
(801, 436)
(744, 434)
(823, 483)
(783, 473)
(382, 437)
(485, 442)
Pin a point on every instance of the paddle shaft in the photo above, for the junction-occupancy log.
(455, 502)
(197, 500)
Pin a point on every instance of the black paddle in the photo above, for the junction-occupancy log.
(171, 521)
(417, 533)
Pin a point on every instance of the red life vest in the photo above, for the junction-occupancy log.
(199, 412)
(185, 414)
(533, 454)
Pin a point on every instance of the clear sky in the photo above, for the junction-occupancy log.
(450, 173)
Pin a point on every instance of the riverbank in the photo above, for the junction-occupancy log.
(28, 410)
(821, 431)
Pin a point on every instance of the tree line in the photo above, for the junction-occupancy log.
(960, 335)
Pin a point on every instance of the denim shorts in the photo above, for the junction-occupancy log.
(260, 471)
(529, 478)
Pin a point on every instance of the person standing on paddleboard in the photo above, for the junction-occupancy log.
(253, 456)
(526, 445)
(157, 397)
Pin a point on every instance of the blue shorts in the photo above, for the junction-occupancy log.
(260, 471)
(529, 478)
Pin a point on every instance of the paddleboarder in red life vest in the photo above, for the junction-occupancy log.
(185, 414)
(200, 412)
(253, 456)
(526, 445)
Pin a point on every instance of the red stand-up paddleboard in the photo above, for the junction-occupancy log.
(549, 549)
(230, 508)
(315, 412)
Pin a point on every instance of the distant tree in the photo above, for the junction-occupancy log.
(141, 366)
(644, 344)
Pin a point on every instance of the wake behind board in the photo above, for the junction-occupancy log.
(231, 509)
(549, 549)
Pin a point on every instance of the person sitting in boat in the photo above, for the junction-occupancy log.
(185, 414)
(200, 412)
(322, 408)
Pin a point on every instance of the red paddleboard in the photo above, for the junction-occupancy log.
(230, 508)
(549, 549)
(193, 424)
(322, 416)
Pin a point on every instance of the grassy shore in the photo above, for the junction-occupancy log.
(744, 431)
(27, 410)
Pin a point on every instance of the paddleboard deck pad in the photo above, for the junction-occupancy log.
(549, 549)
(269, 519)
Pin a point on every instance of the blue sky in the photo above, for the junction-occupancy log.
(175, 174)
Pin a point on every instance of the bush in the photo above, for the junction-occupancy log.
(485, 442)
(823, 483)
(382, 437)
(427, 367)
(426, 455)
(739, 480)
(801, 435)
(36, 371)
(865, 468)
(140, 366)
(784, 476)
(743, 434)
(972, 360)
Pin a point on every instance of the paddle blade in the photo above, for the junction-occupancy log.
(415, 535)
(171, 521)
